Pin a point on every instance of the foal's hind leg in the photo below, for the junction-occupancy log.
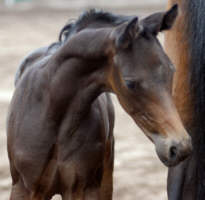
(19, 192)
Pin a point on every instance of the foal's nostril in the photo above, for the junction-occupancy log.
(173, 153)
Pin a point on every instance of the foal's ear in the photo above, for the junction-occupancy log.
(161, 21)
(126, 33)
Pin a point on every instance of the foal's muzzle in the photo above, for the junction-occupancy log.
(172, 152)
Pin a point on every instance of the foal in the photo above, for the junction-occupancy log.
(61, 118)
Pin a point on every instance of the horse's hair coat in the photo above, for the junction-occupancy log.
(196, 30)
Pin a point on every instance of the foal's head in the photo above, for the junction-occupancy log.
(141, 77)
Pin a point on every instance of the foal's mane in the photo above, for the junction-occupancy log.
(89, 17)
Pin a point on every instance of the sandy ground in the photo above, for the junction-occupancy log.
(138, 172)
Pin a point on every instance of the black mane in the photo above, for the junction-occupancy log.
(89, 17)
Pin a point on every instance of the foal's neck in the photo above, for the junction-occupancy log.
(75, 87)
(79, 73)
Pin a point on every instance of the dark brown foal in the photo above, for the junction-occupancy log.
(60, 123)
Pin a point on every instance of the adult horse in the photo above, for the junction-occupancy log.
(186, 46)
(60, 124)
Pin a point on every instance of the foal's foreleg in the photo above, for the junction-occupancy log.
(93, 194)
(88, 194)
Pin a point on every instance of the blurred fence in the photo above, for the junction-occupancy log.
(75, 5)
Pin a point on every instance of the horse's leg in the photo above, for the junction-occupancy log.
(106, 189)
(19, 192)
(38, 197)
(107, 181)
(175, 181)
(68, 195)
(181, 181)
(93, 194)
(88, 194)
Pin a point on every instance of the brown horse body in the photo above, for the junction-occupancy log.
(72, 161)
(185, 44)
(60, 124)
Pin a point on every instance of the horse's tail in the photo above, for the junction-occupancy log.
(195, 15)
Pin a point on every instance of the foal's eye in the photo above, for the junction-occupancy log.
(131, 84)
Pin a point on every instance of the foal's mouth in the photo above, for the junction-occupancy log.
(171, 152)
(173, 159)
(172, 147)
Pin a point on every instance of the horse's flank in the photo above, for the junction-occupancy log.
(179, 53)
(185, 44)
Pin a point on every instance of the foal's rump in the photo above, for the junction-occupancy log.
(30, 135)
(33, 57)
(28, 61)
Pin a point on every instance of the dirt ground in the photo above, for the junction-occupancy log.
(138, 172)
